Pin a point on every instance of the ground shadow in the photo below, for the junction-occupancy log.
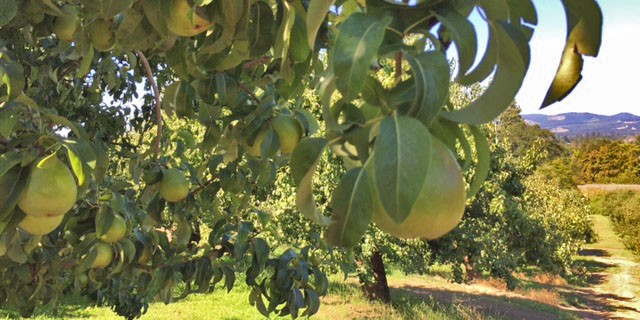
(508, 307)
(594, 252)
(589, 272)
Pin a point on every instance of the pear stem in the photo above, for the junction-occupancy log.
(156, 95)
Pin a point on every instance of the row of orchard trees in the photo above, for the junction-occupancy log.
(160, 199)
(599, 161)
(521, 218)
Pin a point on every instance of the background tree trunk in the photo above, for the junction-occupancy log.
(378, 289)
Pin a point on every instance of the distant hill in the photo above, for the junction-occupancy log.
(574, 124)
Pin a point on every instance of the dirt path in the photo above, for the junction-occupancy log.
(621, 277)
(611, 289)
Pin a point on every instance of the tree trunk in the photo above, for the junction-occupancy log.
(471, 272)
(378, 289)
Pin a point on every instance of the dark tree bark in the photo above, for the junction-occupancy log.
(378, 289)
(471, 272)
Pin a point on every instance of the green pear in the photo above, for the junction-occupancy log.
(51, 190)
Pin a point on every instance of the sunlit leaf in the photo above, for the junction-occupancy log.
(513, 62)
(357, 44)
(352, 206)
(399, 163)
(483, 154)
(304, 162)
(584, 35)
(317, 11)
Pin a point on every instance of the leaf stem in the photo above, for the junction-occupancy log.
(156, 95)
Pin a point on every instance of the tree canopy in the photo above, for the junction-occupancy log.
(170, 118)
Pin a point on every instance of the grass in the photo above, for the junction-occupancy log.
(432, 296)
(344, 301)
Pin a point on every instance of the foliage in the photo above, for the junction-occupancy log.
(71, 75)
(623, 209)
(607, 161)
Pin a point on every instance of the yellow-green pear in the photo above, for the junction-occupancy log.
(289, 132)
(104, 256)
(65, 26)
(51, 190)
(40, 226)
(174, 186)
(101, 35)
(184, 21)
(117, 230)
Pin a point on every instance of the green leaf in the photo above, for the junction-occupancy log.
(513, 62)
(399, 164)
(483, 154)
(8, 160)
(352, 205)
(431, 76)
(304, 162)
(283, 36)
(373, 92)
(317, 11)
(102, 162)
(485, 66)
(62, 121)
(15, 252)
(74, 159)
(463, 34)
(356, 46)
(9, 10)
(261, 29)
(12, 75)
(12, 184)
(8, 120)
(261, 251)
(182, 233)
(229, 277)
(584, 35)
(299, 44)
(110, 8)
(104, 219)
(312, 301)
(87, 54)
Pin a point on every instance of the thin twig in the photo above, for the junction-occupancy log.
(245, 89)
(256, 62)
(156, 95)
(398, 65)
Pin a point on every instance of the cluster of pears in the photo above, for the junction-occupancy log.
(104, 250)
(100, 31)
(50, 193)
(289, 133)
(182, 21)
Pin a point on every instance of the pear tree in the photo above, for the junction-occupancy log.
(161, 118)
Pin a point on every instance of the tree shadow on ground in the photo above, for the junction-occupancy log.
(507, 307)
(594, 252)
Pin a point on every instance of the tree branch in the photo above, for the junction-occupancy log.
(156, 94)
(398, 65)
(256, 62)
(245, 89)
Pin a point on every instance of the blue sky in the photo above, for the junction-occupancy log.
(610, 82)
